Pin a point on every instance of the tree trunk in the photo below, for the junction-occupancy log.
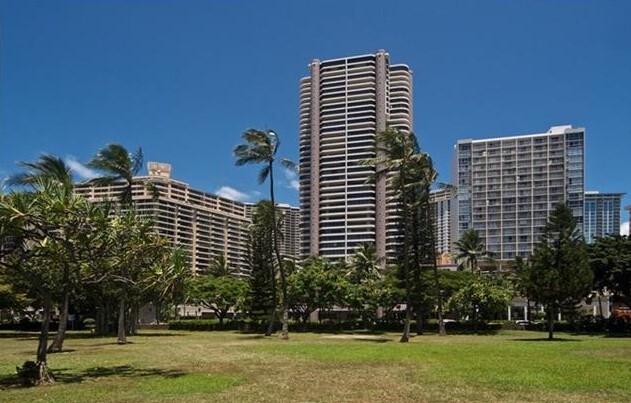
(43, 374)
(270, 323)
(405, 337)
(419, 322)
(63, 325)
(283, 280)
(43, 334)
(550, 313)
(133, 320)
(122, 336)
(100, 325)
(158, 308)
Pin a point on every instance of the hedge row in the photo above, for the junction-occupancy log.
(327, 327)
(35, 326)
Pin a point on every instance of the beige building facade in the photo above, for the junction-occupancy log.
(343, 104)
(203, 224)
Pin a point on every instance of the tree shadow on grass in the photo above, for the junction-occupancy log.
(63, 375)
(544, 339)
(372, 340)
(256, 336)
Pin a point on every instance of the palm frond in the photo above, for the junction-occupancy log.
(289, 164)
(263, 174)
(46, 167)
(137, 160)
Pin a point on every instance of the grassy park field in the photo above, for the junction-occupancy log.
(228, 366)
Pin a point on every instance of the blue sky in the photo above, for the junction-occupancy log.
(183, 79)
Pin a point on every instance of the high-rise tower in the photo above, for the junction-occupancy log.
(602, 215)
(508, 186)
(343, 104)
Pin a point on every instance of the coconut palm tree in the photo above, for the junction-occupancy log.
(407, 169)
(117, 165)
(260, 147)
(47, 167)
(364, 264)
(471, 250)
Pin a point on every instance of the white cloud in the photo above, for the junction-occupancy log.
(292, 179)
(81, 170)
(234, 194)
(624, 228)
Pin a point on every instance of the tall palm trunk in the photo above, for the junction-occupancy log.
(272, 318)
(122, 310)
(405, 337)
(439, 296)
(281, 268)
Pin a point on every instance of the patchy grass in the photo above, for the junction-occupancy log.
(216, 366)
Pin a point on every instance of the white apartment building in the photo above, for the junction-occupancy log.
(602, 215)
(507, 186)
(442, 204)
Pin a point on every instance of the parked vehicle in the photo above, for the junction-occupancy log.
(622, 312)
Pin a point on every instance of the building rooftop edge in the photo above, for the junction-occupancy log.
(552, 131)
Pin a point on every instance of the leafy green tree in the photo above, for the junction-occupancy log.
(558, 275)
(483, 297)
(220, 290)
(409, 173)
(11, 298)
(260, 147)
(317, 285)
(136, 250)
(117, 165)
(171, 280)
(53, 169)
(35, 229)
(471, 250)
(262, 299)
(610, 260)
(364, 287)
(221, 294)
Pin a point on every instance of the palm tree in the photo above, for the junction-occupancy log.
(364, 264)
(117, 165)
(406, 168)
(260, 147)
(471, 250)
(47, 167)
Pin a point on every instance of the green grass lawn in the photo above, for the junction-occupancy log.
(220, 366)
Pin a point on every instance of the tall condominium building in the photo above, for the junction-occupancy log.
(205, 225)
(442, 204)
(290, 240)
(343, 103)
(602, 215)
(507, 186)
